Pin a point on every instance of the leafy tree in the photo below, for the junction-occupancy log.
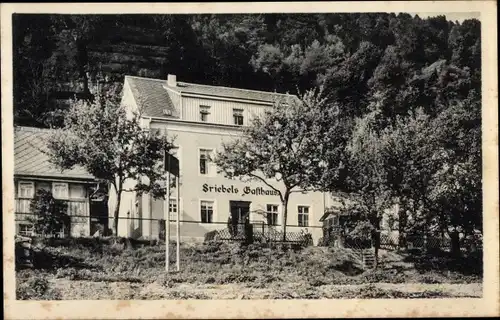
(411, 156)
(366, 176)
(58, 55)
(347, 83)
(50, 215)
(111, 145)
(32, 47)
(270, 59)
(456, 190)
(281, 149)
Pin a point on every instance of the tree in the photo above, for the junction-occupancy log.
(456, 190)
(281, 149)
(50, 214)
(366, 176)
(111, 145)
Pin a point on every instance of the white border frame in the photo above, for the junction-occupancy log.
(488, 305)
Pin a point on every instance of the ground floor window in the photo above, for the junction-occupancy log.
(272, 214)
(25, 230)
(303, 217)
(173, 208)
(207, 211)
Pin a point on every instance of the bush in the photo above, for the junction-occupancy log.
(50, 214)
(35, 288)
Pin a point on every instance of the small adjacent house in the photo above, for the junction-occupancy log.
(33, 171)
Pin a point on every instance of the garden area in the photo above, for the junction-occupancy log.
(119, 268)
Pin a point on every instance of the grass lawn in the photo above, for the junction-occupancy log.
(101, 269)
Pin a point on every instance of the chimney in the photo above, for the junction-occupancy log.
(172, 80)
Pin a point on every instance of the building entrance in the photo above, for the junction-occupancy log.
(240, 210)
(239, 218)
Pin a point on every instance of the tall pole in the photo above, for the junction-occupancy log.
(177, 222)
(166, 210)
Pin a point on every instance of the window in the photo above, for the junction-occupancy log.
(60, 190)
(26, 189)
(77, 191)
(173, 209)
(238, 117)
(205, 161)
(207, 211)
(272, 214)
(303, 216)
(204, 112)
(26, 230)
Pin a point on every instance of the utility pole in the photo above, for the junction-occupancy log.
(171, 166)
(178, 228)
(166, 209)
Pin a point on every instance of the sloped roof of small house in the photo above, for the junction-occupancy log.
(155, 96)
(30, 158)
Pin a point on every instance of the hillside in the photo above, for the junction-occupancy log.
(100, 269)
(56, 57)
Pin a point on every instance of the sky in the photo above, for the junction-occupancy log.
(453, 16)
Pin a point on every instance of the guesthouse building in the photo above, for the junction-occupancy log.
(200, 118)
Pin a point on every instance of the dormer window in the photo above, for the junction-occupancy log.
(238, 117)
(204, 112)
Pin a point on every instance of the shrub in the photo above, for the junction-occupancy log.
(35, 288)
(50, 214)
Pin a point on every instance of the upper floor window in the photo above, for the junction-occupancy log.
(26, 189)
(60, 190)
(303, 217)
(204, 113)
(238, 117)
(205, 155)
(272, 214)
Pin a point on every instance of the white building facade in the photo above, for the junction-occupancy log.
(201, 118)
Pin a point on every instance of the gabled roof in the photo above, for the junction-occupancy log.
(151, 95)
(30, 159)
(154, 97)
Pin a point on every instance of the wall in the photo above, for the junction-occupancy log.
(221, 111)
(127, 208)
(190, 138)
(78, 198)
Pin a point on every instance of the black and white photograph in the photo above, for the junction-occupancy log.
(248, 156)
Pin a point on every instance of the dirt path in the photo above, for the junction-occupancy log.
(72, 290)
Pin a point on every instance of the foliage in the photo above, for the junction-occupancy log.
(400, 102)
(281, 146)
(58, 56)
(50, 214)
(101, 137)
(36, 288)
(312, 271)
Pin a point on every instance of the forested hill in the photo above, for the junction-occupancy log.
(399, 62)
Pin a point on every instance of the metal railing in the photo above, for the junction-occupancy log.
(155, 228)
